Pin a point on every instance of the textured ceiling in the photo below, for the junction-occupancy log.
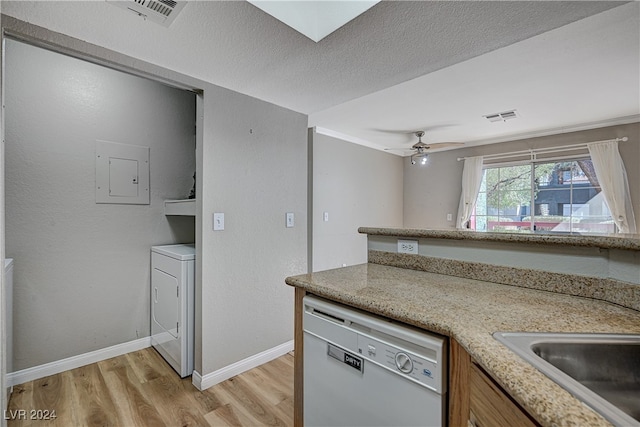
(238, 46)
(402, 65)
(582, 75)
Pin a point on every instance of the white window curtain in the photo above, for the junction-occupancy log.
(612, 177)
(471, 180)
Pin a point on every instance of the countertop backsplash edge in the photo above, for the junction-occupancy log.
(629, 242)
(603, 289)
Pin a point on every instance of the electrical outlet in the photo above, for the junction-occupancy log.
(449, 217)
(408, 247)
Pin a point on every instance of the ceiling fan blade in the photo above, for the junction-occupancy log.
(438, 145)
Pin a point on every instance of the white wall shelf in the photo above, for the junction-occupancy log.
(186, 207)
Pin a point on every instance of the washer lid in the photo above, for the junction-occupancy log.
(180, 252)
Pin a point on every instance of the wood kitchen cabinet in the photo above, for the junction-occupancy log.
(475, 399)
(298, 368)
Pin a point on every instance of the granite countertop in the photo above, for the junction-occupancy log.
(470, 311)
(605, 241)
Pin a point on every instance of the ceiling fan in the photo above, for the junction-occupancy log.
(420, 148)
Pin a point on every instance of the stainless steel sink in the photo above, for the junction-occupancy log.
(601, 370)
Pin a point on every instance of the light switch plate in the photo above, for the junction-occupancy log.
(218, 221)
(290, 219)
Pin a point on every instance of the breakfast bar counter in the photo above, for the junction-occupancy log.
(604, 241)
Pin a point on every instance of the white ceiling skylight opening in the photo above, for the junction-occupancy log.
(315, 19)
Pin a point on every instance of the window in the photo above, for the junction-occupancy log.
(547, 196)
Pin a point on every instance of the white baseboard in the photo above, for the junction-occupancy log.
(52, 368)
(215, 377)
(200, 382)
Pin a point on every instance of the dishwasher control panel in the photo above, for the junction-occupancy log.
(402, 361)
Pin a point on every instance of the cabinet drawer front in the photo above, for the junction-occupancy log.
(490, 406)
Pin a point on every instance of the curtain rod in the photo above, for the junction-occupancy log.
(533, 151)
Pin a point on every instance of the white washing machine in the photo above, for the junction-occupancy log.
(172, 304)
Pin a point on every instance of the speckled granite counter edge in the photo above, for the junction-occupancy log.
(629, 242)
(609, 290)
(509, 373)
(528, 386)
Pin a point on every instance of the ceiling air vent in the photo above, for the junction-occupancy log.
(162, 12)
(501, 117)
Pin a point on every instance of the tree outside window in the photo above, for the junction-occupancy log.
(565, 197)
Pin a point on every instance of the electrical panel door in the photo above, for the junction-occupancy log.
(122, 173)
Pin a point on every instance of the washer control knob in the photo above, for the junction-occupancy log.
(404, 362)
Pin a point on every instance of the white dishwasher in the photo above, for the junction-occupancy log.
(365, 370)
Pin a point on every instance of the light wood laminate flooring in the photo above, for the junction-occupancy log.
(141, 389)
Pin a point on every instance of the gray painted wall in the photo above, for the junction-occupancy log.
(254, 171)
(242, 304)
(357, 186)
(81, 268)
(433, 191)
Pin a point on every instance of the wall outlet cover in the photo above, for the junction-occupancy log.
(407, 246)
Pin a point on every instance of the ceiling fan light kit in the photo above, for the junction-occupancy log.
(421, 147)
(419, 156)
